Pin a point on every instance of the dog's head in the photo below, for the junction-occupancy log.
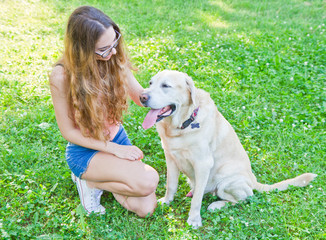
(168, 92)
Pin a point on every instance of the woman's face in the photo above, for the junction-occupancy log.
(106, 44)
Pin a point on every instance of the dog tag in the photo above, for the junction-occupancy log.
(195, 125)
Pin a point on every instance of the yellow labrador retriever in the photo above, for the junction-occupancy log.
(198, 141)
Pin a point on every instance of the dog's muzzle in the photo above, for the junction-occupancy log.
(144, 98)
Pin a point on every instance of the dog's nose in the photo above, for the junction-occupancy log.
(144, 98)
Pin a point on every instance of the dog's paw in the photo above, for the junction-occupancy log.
(216, 205)
(164, 200)
(195, 222)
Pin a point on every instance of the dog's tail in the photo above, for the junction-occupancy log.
(299, 181)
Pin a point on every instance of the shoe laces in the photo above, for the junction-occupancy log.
(96, 196)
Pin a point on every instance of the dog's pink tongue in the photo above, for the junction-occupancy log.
(150, 118)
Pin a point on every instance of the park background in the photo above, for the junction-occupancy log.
(263, 62)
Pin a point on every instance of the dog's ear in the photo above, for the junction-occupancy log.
(192, 88)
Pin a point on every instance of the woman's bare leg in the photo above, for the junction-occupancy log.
(132, 183)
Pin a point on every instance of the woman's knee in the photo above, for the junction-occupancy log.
(147, 211)
(148, 182)
(146, 208)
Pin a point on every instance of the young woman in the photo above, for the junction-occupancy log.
(89, 88)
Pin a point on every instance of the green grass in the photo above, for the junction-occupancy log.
(263, 62)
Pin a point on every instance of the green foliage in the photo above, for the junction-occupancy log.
(263, 62)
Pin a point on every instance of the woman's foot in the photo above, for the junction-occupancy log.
(90, 197)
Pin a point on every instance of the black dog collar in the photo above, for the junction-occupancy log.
(190, 120)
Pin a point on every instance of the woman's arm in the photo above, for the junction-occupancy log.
(134, 88)
(73, 134)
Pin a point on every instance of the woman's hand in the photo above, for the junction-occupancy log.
(127, 152)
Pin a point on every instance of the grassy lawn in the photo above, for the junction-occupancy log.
(264, 64)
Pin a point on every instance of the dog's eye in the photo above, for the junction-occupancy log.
(150, 83)
(164, 85)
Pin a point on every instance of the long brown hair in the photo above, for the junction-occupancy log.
(96, 89)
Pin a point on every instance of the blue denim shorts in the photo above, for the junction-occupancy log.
(78, 158)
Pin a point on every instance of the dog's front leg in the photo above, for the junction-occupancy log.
(202, 170)
(171, 180)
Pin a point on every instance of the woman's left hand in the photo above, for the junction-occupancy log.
(127, 152)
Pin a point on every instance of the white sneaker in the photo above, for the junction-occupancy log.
(90, 197)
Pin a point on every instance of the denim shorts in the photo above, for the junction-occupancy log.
(78, 157)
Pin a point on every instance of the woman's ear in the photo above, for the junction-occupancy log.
(192, 88)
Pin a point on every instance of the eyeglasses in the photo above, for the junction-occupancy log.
(109, 50)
